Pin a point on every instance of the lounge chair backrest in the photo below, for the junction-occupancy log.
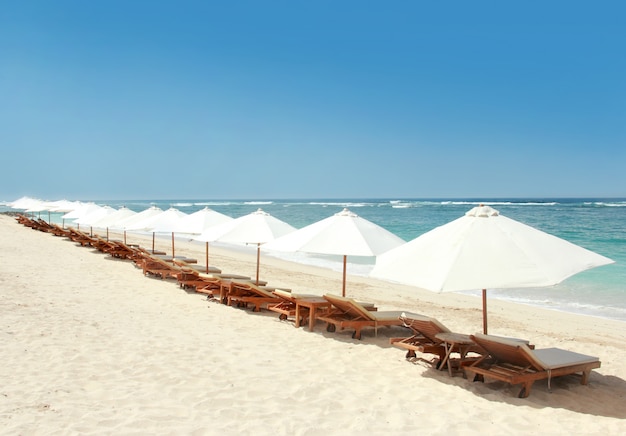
(254, 288)
(350, 306)
(428, 327)
(509, 350)
(283, 294)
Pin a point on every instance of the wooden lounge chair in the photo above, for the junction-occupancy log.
(57, 230)
(156, 267)
(286, 306)
(120, 250)
(182, 262)
(515, 363)
(424, 339)
(245, 293)
(80, 237)
(348, 313)
(189, 278)
(432, 337)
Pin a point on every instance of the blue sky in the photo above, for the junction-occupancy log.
(317, 99)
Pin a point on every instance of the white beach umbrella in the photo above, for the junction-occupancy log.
(24, 203)
(481, 250)
(255, 228)
(126, 223)
(197, 222)
(64, 206)
(165, 222)
(344, 234)
(93, 216)
(38, 206)
(114, 217)
(82, 211)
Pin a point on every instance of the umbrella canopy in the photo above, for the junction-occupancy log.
(164, 223)
(255, 228)
(81, 211)
(481, 250)
(94, 215)
(126, 223)
(25, 203)
(114, 217)
(39, 207)
(200, 221)
(344, 234)
(64, 206)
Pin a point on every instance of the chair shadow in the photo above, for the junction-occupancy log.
(602, 396)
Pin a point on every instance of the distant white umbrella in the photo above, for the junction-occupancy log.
(255, 228)
(83, 210)
(24, 203)
(114, 217)
(89, 218)
(64, 206)
(197, 222)
(165, 222)
(344, 234)
(126, 223)
(481, 250)
(39, 206)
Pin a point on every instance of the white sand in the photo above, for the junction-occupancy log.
(90, 346)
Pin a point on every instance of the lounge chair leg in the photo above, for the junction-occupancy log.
(356, 335)
(585, 377)
(525, 392)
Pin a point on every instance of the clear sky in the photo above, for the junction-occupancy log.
(112, 99)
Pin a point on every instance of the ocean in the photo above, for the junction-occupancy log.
(596, 224)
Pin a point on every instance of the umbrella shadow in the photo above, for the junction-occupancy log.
(602, 396)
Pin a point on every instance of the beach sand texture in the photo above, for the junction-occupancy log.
(91, 346)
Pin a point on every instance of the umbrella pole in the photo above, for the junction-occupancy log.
(124, 236)
(484, 311)
(173, 244)
(152, 242)
(207, 257)
(258, 255)
(107, 233)
(343, 288)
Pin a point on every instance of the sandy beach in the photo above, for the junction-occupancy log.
(91, 346)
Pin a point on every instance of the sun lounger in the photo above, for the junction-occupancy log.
(121, 250)
(78, 236)
(348, 313)
(156, 267)
(286, 306)
(57, 230)
(182, 262)
(245, 293)
(424, 339)
(189, 278)
(516, 363)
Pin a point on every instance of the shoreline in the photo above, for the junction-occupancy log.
(92, 346)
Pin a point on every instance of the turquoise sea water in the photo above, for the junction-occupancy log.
(596, 224)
